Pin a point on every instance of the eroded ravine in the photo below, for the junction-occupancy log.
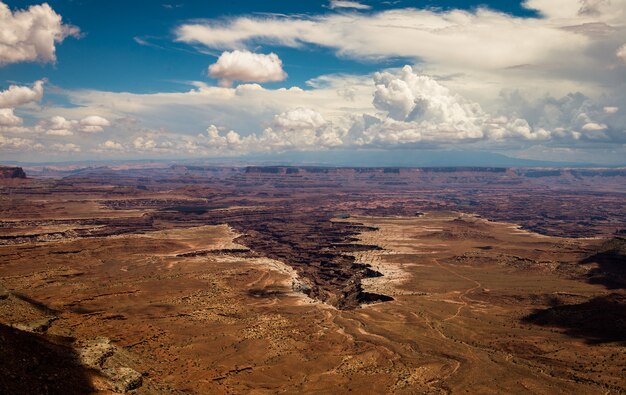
(319, 250)
(310, 240)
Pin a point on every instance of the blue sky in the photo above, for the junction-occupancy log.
(109, 58)
(539, 79)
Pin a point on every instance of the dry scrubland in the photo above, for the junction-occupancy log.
(212, 281)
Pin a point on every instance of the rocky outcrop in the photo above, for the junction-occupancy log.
(4, 293)
(610, 264)
(32, 363)
(7, 172)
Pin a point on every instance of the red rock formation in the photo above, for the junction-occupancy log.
(11, 172)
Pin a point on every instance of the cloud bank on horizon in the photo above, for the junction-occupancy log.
(475, 79)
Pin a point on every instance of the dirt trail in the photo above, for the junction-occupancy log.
(463, 294)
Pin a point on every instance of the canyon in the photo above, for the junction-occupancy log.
(227, 279)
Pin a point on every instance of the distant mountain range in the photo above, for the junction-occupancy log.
(407, 158)
(344, 158)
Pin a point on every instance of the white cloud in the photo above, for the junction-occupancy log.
(142, 143)
(216, 140)
(390, 109)
(594, 127)
(158, 142)
(480, 77)
(16, 96)
(413, 110)
(296, 129)
(60, 126)
(566, 9)
(59, 132)
(112, 145)
(8, 118)
(477, 39)
(247, 67)
(298, 119)
(413, 97)
(334, 4)
(31, 34)
(93, 124)
(574, 116)
(245, 108)
(421, 108)
(302, 128)
(417, 109)
(478, 52)
(66, 148)
(15, 143)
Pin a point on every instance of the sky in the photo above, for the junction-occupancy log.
(96, 80)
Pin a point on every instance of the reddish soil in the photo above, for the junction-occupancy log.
(222, 279)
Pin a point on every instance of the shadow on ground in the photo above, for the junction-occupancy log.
(32, 364)
(601, 319)
(611, 264)
(598, 320)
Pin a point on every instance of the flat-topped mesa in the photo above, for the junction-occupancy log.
(463, 169)
(7, 172)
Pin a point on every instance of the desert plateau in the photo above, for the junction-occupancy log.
(313, 197)
(198, 279)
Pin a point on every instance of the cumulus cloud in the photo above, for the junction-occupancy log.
(303, 128)
(159, 142)
(93, 124)
(334, 4)
(245, 108)
(112, 145)
(65, 148)
(31, 34)
(296, 129)
(392, 108)
(571, 47)
(15, 143)
(412, 97)
(412, 109)
(230, 140)
(419, 108)
(60, 126)
(299, 118)
(574, 116)
(247, 67)
(16, 96)
(142, 143)
(594, 127)
(8, 118)
(480, 77)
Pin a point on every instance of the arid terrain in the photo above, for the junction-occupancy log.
(204, 279)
